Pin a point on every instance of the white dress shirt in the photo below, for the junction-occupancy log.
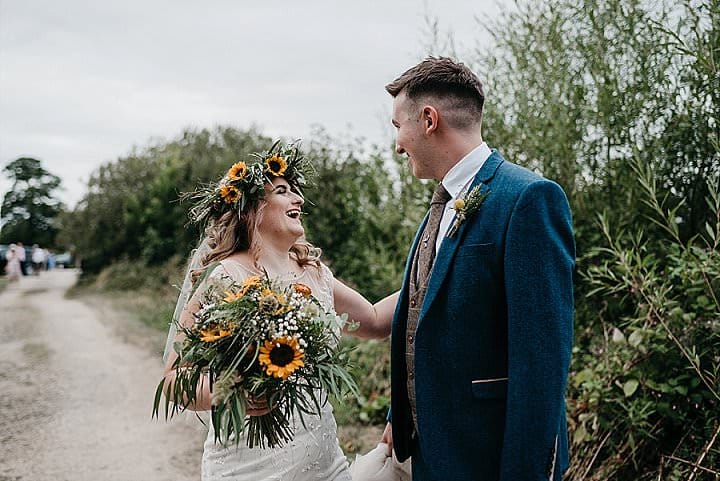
(457, 181)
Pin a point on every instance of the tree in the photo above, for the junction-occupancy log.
(130, 209)
(30, 208)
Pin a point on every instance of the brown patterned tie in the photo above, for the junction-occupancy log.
(426, 249)
(419, 273)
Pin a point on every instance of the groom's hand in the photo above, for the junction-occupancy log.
(387, 436)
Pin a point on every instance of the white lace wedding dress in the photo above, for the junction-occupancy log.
(314, 453)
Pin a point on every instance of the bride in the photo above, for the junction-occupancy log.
(254, 227)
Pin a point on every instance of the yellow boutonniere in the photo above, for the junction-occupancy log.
(465, 207)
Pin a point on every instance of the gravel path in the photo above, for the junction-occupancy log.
(76, 386)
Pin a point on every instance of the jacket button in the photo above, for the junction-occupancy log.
(411, 376)
(412, 303)
(411, 338)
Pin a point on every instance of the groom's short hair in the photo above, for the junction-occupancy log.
(449, 82)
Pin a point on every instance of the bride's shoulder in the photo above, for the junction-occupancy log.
(325, 272)
(320, 274)
(224, 268)
(238, 267)
(222, 274)
(210, 274)
(321, 280)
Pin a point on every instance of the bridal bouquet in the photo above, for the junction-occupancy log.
(258, 341)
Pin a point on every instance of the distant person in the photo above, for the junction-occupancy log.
(50, 263)
(38, 259)
(20, 248)
(12, 268)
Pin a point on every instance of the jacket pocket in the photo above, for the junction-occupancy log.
(490, 388)
(475, 249)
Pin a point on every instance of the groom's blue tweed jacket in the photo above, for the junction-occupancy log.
(493, 342)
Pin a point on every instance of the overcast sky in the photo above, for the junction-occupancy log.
(82, 82)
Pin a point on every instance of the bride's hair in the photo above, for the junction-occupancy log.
(237, 231)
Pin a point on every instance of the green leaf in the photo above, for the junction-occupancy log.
(635, 338)
(158, 397)
(703, 301)
(710, 231)
(682, 390)
(618, 337)
(582, 377)
(580, 435)
(630, 387)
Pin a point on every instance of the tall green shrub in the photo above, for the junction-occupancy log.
(131, 209)
(645, 396)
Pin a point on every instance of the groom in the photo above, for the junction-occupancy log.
(482, 332)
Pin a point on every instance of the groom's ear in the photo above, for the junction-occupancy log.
(430, 119)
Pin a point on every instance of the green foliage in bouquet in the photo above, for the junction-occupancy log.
(258, 342)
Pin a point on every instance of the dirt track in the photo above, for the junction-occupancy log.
(76, 386)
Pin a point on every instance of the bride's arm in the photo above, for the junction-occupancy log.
(374, 320)
(202, 394)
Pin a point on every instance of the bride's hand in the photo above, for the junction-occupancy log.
(257, 406)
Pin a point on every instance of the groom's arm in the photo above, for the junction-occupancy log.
(539, 264)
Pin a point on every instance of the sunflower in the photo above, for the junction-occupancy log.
(281, 357)
(276, 165)
(214, 333)
(249, 283)
(230, 193)
(233, 296)
(237, 171)
(245, 286)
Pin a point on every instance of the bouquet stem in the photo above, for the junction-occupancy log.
(272, 430)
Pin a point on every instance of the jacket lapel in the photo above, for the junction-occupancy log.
(450, 244)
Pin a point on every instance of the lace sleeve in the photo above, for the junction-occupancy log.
(326, 282)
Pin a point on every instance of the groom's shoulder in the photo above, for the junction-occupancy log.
(517, 175)
(525, 186)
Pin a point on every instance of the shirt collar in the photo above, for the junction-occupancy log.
(462, 173)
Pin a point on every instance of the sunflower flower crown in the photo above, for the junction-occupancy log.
(244, 182)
